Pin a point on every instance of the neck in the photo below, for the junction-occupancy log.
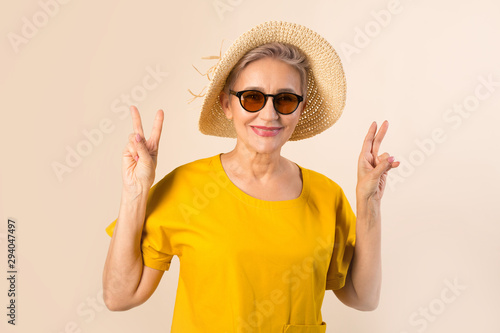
(251, 164)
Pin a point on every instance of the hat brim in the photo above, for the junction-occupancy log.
(326, 86)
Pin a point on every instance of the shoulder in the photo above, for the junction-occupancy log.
(322, 188)
(187, 174)
(197, 166)
(320, 180)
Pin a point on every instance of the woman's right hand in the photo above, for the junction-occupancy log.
(140, 156)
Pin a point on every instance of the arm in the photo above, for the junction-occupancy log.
(362, 286)
(363, 281)
(126, 281)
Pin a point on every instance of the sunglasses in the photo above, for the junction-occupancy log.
(254, 100)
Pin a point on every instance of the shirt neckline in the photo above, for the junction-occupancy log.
(250, 200)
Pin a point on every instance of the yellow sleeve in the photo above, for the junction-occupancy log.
(154, 245)
(345, 240)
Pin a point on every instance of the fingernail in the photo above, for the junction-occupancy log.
(391, 159)
(137, 137)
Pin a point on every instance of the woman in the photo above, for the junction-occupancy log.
(259, 237)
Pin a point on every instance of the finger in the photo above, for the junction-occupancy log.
(384, 165)
(130, 148)
(136, 120)
(130, 152)
(157, 127)
(140, 146)
(379, 137)
(367, 144)
(382, 157)
(391, 159)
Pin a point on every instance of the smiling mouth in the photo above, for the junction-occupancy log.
(266, 131)
(267, 128)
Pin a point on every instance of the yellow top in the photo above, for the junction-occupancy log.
(247, 265)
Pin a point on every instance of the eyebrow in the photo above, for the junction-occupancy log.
(279, 90)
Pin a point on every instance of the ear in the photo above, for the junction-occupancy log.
(224, 102)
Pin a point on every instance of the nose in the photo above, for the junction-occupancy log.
(268, 113)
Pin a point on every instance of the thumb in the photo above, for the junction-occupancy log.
(141, 148)
(383, 166)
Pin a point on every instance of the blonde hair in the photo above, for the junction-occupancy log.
(287, 53)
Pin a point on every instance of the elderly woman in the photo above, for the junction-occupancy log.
(260, 239)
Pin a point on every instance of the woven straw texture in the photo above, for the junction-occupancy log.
(326, 87)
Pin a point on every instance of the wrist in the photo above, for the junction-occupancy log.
(361, 196)
(367, 206)
(134, 194)
(133, 208)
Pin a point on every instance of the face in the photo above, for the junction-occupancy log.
(265, 131)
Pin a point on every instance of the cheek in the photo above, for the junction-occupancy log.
(294, 121)
(241, 117)
(232, 110)
(297, 116)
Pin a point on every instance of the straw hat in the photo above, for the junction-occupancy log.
(326, 86)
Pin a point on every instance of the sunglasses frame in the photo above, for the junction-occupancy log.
(239, 93)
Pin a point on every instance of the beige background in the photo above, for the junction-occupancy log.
(440, 214)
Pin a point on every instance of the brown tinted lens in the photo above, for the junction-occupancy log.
(286, 103)
(252, 100)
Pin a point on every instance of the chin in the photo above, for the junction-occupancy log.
(262, 144)
(267, 145)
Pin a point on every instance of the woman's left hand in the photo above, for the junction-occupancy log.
(372, 168)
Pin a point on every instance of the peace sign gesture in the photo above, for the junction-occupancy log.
(372, 168)
(140, 156)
